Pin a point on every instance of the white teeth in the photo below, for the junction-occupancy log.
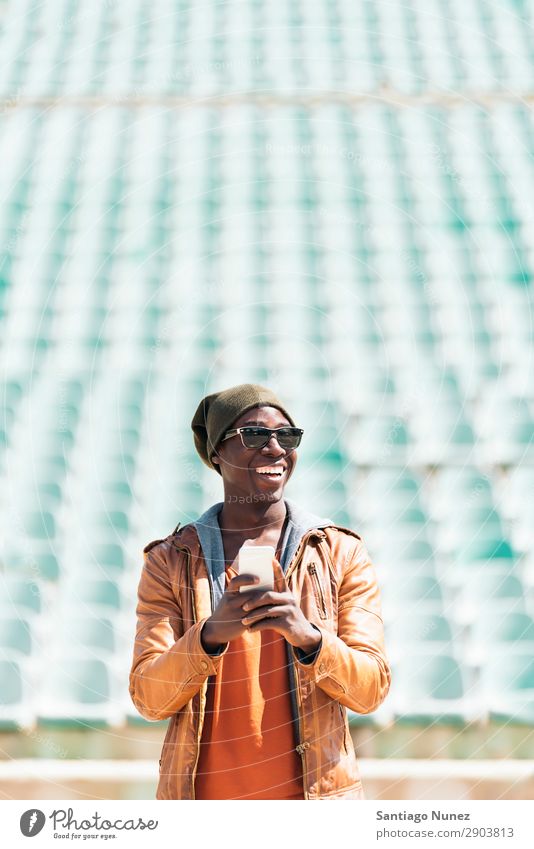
(268, 470)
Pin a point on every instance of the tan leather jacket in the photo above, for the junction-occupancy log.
(334, 580)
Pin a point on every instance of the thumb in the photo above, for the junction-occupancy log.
(280, 583)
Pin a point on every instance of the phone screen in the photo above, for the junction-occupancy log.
(257, 560)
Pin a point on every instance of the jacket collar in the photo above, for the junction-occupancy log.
(300, 521)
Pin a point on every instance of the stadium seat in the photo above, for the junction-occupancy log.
(494, 590)
(97, 559)
(93, 635)
(466, 523)
(93, 596)
(412, 594)
(377, 440)
(419, 631)
(478, 554)
(78, 691)
(403, 553)
(15, 637)
(15, 709)
(489, 633)
(454, 486)
(19, 596)
(430, 688)
(507, 682)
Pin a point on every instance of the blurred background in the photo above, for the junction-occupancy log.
(333, 198)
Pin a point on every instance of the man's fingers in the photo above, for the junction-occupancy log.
(261, 599)
(272, 623)
(242, 581)
(267, 612)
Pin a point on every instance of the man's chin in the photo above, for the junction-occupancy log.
(266, 497)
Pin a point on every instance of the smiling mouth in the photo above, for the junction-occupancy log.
(271, 476)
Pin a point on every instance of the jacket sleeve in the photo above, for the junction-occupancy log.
(169, 663)
(352, 666)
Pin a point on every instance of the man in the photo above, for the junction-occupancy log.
(256, 683)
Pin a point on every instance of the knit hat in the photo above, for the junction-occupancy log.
(217, 412)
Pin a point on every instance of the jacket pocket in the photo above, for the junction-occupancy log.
(318, 590)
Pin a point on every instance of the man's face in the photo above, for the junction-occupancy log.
(239, 465)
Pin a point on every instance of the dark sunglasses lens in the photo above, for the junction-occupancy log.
(257, 437)
(288, 438)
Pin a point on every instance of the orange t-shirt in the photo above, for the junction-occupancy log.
(247, 750)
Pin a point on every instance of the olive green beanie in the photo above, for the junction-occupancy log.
(217, 412)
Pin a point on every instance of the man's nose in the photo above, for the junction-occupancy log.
(276, 443)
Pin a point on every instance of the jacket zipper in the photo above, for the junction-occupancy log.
(198, 732)
(312, 569)
(344, 724)
(187, 550)
(302, 745)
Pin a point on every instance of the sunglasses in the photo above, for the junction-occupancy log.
(258, 437)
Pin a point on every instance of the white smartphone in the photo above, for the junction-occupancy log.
(257, 560)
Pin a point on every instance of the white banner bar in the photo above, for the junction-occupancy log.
(270, 825)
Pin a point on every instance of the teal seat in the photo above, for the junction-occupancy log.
(77, 692)
(104, 525)
(107, 556)
(92, 634)
(412, 594)
(514, 444)
(409, 515)
(428, 688)
(49, 468)
(484, 553)
(187, 498)
(53, 440)
(494, 550)
(320, 444)
(493, 590)
(482, 520)
(381, 439)
(465, 484)
(394, 486)
(419, 630)
(49, 492)
(507, 682)
(18, 595)
(513, 630)
(115, 495)
(15, 636)
(93, 595)
(39, 524)
(42, 564)
(47, 565)
(14, 706)
(400, 551)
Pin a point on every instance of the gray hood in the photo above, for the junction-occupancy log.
(207, 527)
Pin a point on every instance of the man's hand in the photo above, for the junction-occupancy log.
(225, 623)
(279, 611)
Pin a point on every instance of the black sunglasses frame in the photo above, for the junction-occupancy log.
(269, 434)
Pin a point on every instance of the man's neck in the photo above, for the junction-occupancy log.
(251, 519)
